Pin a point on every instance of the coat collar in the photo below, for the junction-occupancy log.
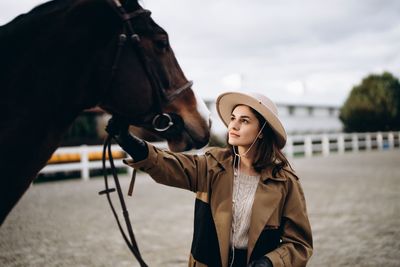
(224, 159)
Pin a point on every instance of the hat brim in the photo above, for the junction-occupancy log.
(227, 101)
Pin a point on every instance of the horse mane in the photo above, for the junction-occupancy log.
(22, 31)
(25, 26)
(38, 46)
(19, 37)
(47, 58)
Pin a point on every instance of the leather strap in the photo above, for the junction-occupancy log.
(132, 183)
(131, 241)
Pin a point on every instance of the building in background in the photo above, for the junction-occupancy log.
(297, 119)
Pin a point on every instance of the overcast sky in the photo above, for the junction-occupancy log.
(307, 51)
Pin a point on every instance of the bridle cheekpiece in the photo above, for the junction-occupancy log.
(160, 122)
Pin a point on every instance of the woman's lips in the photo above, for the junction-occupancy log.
(233, 135)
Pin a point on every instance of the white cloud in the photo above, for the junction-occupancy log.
(296, 88)
(327, 45)
(232, 81)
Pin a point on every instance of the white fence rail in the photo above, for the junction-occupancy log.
(85, 165)
(297, 145)
(325, 144)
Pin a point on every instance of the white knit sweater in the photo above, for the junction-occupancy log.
(244, 189)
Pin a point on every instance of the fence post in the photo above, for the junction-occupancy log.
(289, 147)
(368, 142)
(391, 140)
(340, 142)
(354, 142)
(85, 162)
(379, 140)
(308, 146)
(325, 145)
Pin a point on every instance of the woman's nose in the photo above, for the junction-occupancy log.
(233, 125)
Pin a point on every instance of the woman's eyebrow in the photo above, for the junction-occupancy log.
(242, 116)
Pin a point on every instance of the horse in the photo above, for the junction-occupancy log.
(66, 56)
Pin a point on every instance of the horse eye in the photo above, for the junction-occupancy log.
(162, 44)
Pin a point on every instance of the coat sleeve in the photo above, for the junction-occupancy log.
(297, 244)
(173, 169)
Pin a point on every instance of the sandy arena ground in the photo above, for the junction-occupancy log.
(353, 203)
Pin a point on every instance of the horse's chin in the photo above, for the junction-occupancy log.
(186, 142)
(178, 146)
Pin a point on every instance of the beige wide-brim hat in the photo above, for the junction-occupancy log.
(262, 104)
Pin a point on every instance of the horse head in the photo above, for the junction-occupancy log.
(147, 86)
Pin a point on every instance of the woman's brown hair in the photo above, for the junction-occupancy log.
(268, 154)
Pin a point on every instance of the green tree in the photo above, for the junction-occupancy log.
(373, 105)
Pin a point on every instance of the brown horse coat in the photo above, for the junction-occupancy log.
(279, 226)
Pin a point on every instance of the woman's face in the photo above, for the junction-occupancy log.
(243, 127)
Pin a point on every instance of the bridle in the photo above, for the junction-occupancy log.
(160, 121)
(157, 121)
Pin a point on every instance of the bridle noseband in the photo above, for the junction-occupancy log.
(163, 98)
(158, 123)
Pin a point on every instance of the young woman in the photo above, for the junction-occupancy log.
(250, 208)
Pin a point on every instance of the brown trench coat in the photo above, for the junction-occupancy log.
(279, 226)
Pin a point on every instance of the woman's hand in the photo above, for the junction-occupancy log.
(117, 126)
(134, 146)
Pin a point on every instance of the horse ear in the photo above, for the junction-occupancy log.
(130, 5)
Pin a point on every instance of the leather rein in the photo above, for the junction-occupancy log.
(161, 122)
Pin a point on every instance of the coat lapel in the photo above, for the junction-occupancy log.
(221, 207)
(266, 201)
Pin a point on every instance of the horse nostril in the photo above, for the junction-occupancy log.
(209, 123)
